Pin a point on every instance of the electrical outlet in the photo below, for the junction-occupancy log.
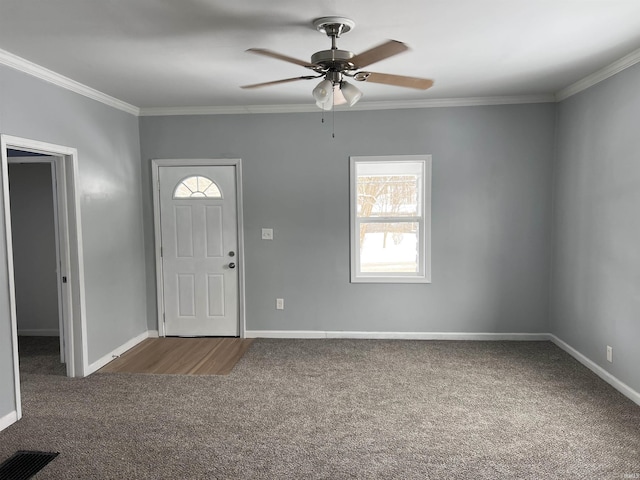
(267, 234)
(279, 303)
(609, 354)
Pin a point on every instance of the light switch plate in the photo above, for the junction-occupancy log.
(267, 234)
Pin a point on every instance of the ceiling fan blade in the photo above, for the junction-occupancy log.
(276, 82)
(279, 56)
(396, 80)
(375, 54)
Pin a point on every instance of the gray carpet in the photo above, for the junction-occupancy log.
(40, 355)
(334, 409)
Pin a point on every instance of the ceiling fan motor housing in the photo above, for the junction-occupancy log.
(334, 60)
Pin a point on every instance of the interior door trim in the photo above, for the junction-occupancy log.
(197, 162)
(66, 164)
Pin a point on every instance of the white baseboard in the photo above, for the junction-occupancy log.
(38, 332)
(8, 419)
(394, 335)
(622, 387)
(284, 334)
(101, 362)
(153, 333)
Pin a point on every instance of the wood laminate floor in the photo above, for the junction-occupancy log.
(181, 356)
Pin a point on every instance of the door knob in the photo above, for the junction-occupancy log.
(232, 265)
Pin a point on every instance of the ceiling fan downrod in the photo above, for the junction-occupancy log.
(334, 60)
(333, 27)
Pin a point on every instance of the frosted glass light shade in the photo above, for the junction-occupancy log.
(323, 92)
(338, 97)
(325, 105)
(350, 93)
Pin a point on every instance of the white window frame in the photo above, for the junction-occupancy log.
(424, 224)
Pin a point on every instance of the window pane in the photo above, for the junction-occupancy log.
(389, 189)
(203, 183)
(213, 191)
(191, 183)
(389, 247)
(197, 187)
(182, 191)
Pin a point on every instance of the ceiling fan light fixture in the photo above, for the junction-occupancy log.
(323, 92)
(328, 105)
(350, 93)
(338, 95)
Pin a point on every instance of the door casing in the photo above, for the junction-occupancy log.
(72, 264)
(172, 162)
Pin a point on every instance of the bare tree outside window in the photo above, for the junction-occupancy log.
(387, 196)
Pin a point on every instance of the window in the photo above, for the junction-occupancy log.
(197, 187)
(391, 219)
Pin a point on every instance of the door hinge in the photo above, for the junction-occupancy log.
(161, 251)
(64, 279)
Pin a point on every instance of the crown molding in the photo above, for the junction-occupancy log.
(228, 110)
(304, 108)
(454, 102)
(25, 66)
(599, 76)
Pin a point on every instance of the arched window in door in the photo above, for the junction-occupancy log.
(197, 187)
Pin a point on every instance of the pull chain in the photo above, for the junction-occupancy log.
(333, 122)
(333, 115)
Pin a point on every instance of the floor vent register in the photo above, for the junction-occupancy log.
(24, 465)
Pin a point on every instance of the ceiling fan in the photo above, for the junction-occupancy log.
(335, 64)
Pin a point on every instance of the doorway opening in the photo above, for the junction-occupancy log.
(61, 163)
(36, 262)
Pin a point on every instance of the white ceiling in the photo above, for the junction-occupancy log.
(186, 53)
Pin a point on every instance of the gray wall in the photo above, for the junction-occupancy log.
(34, 248)
(109, 182)
(596, 301)
(491, 214)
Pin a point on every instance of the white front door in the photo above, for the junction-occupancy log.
(199, 238)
